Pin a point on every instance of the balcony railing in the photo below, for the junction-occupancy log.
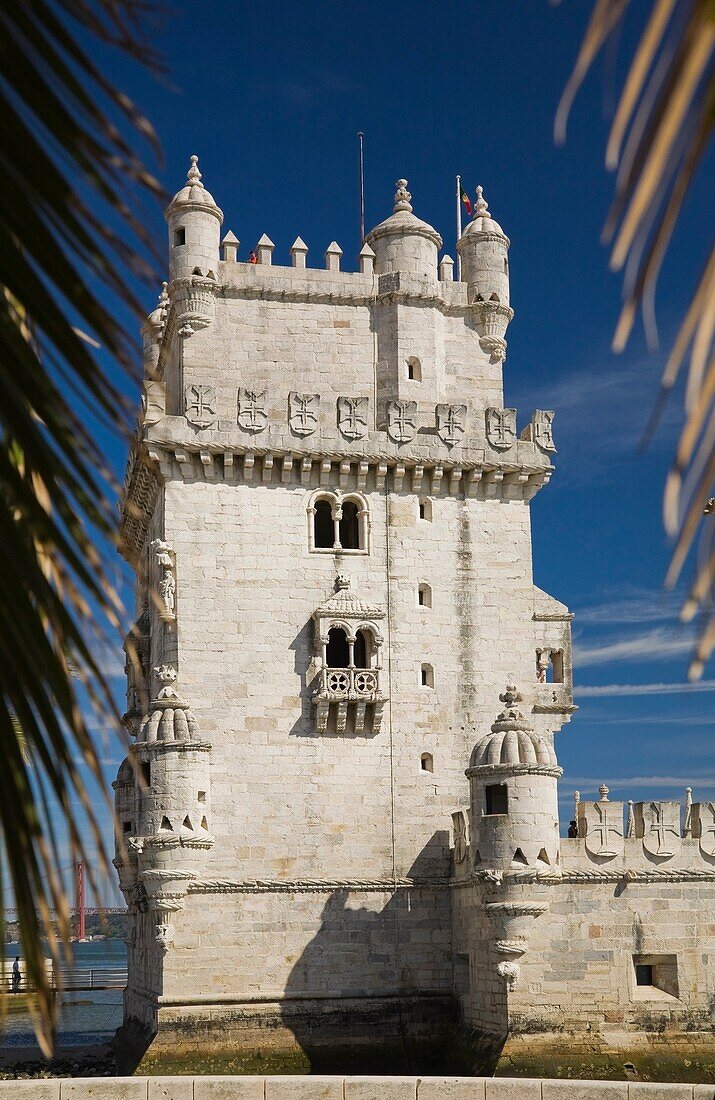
(350, 683)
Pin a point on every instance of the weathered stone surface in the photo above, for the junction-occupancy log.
(30, 1090)
(228, 1088)
(303, 1088)
(380, 1088)
(104, 1088)
(522, 1088)
(171, 1088)
(584, 1090)
(651, 1090)
(450, 1088)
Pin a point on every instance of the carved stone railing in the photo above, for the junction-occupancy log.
(350, 683)
(349, 689)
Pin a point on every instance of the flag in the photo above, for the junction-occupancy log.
(465, 199)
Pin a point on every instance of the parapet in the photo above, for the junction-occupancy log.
(660, 838)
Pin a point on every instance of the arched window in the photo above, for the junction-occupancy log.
(338, 651)
(414, 369)
(349, 527)
(425, 509)
(323, 526)
(360, 650)
(427, 762)
(427, 676)
(337, 523)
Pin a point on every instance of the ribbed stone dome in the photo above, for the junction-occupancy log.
(125, 773)
(169, 723)
(513, 746)
(482, 221)
(512, 741)
(193, 193)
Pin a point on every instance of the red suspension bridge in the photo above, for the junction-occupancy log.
(80, 910)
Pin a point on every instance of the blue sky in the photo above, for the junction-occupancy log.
(271, 96)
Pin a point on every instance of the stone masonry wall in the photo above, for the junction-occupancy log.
(344, 1088)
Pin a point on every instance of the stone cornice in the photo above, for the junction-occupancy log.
(486, 771)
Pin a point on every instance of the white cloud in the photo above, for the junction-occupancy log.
(666, 782)
(591, 690)
(660, 643)
(631, 605)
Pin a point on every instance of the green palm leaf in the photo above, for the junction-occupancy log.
(69, 243)
(660, 132)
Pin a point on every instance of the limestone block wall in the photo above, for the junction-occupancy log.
(344, 1088)
(580, 962)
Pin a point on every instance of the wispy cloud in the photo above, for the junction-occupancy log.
(621, 783)
(660, 643)
(630, 605)
(656, 720)
(592, 691)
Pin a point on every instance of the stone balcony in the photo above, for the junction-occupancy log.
(345, 694)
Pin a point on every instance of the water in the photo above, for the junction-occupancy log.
(85, 1018)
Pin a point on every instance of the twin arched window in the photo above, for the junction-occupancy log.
(341, 652)
(338, 523)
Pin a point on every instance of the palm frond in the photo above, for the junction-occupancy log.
(660, 133)
(70, 241)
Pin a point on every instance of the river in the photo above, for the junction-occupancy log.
(85, 1018)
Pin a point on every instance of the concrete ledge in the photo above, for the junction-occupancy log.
(344, 1088)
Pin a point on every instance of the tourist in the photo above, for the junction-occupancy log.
(16, 975)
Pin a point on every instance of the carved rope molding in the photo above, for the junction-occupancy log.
(573, 877)
(261, 886)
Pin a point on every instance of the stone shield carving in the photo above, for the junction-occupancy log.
(352, 417)
(604, 828)
(303, 412)
(451, 423)
(459, 827)
(401, 420)
(706, 815)
(661, 828)
(501, 427)
(199, 406)
(252, 415)
(543, 429)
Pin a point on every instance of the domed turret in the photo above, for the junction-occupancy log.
(483, 249)
(513, 793)
(403, 242)
(194, 222)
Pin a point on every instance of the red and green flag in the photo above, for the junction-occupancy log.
(465, 199)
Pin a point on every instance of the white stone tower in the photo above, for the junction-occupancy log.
(328, 511)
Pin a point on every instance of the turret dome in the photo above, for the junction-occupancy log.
(482, 221)
(403, 242)
(512, 740)
(194, 194)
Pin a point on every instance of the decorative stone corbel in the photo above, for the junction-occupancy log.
(194, 302)
(509, 972)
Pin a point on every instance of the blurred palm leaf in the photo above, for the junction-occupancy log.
(661, 129)
(70, 247)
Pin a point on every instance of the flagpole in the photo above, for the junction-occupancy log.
(361, 137)
(459, 226)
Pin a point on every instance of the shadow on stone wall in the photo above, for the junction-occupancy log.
(372, 992)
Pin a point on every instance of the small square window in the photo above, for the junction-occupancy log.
(179, 236)
(496, 799)
(644, 974)
(656, 977)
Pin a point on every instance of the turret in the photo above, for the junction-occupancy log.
(194, 222)
(483, 249)
(513, 776)
(403, 242)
